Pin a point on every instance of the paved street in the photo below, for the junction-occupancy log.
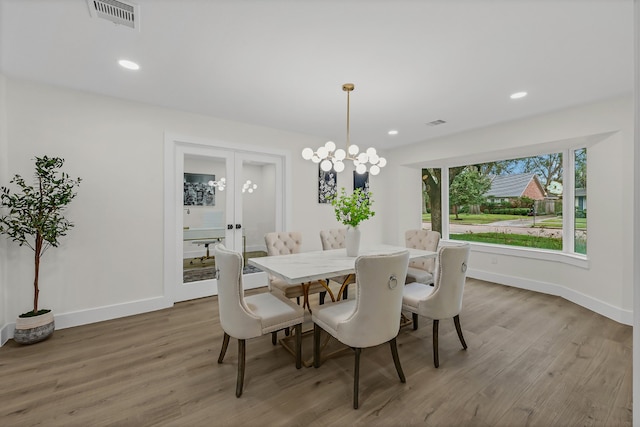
(519, 226)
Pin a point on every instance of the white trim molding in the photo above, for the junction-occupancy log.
(586, 301)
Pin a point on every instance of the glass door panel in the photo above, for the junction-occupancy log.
(258, 207)
(204, 214)
(206, 207)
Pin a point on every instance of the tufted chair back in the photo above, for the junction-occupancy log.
(283, 242)
(425, 240)
(333, 238)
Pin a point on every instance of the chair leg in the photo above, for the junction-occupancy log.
(436, 362)
(241, 356)
(286, 331)
(456, 321)
(323, 295)
(396, 360)
(316, 346)
(356, 378)
(345, 293)
(414, 316)
(298, 300)
(274, 337)
(223, 350)
(299, 346)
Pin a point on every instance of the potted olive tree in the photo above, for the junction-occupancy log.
(35, 219)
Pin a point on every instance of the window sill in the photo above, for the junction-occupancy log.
(576, 260)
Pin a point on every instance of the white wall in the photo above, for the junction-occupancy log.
(606, 284)
(111, 263)
(4, 179)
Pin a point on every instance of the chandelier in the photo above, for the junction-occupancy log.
(329, 157)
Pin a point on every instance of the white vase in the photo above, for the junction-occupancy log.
(353, 241)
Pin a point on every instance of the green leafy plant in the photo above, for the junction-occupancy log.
(352, 210)
(35, 217)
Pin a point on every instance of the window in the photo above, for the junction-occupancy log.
(512, 202)
(580, 196)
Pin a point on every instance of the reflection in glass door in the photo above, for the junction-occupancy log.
(204, 216)
(258, 207)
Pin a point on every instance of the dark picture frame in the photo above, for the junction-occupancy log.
(327, 185)
(197, 191)
(361, 180)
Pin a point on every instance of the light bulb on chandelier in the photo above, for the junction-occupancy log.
(220, 184)
(249, 186)
(329, 157)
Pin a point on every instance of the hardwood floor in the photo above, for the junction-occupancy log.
(532, 360)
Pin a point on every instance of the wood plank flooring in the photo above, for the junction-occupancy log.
(533, 360)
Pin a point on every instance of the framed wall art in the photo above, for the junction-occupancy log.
(327, 185)
(361, 180)
(197, 191)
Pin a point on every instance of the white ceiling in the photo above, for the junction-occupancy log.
(282, 63)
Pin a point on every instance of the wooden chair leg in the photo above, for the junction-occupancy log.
(223, 350)
(316, 346)
(436, 362)
(299, 346)
(396, 360)
(456, 321)
(241, 360)
(274, 337)
(356, 378)
(414, 316)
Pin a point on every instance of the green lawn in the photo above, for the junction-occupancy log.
(581, 223)
(471, 219)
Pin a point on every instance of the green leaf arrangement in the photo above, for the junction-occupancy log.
(352, 209)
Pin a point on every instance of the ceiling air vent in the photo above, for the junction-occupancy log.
(118, 12)
(436, 123)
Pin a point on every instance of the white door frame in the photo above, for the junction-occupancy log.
(175, 147)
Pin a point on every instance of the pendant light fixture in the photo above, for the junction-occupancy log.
(330, 157)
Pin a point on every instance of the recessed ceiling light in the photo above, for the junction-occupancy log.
(393, 132)
(129, 65)
(518, 95)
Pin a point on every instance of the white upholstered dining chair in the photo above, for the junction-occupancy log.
(285, 243)
(373, 317)
(335, 238)
(421, 270)
(444, 299)
(253, 316)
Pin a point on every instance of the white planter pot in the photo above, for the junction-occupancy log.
(352, 241)
(30, 330)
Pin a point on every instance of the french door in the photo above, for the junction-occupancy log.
(218, 195)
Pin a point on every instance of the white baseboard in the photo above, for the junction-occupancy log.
(605, 309)
(6, 333)
(94, 315)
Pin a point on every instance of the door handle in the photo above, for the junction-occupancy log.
(229, 226)
(238, 226)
